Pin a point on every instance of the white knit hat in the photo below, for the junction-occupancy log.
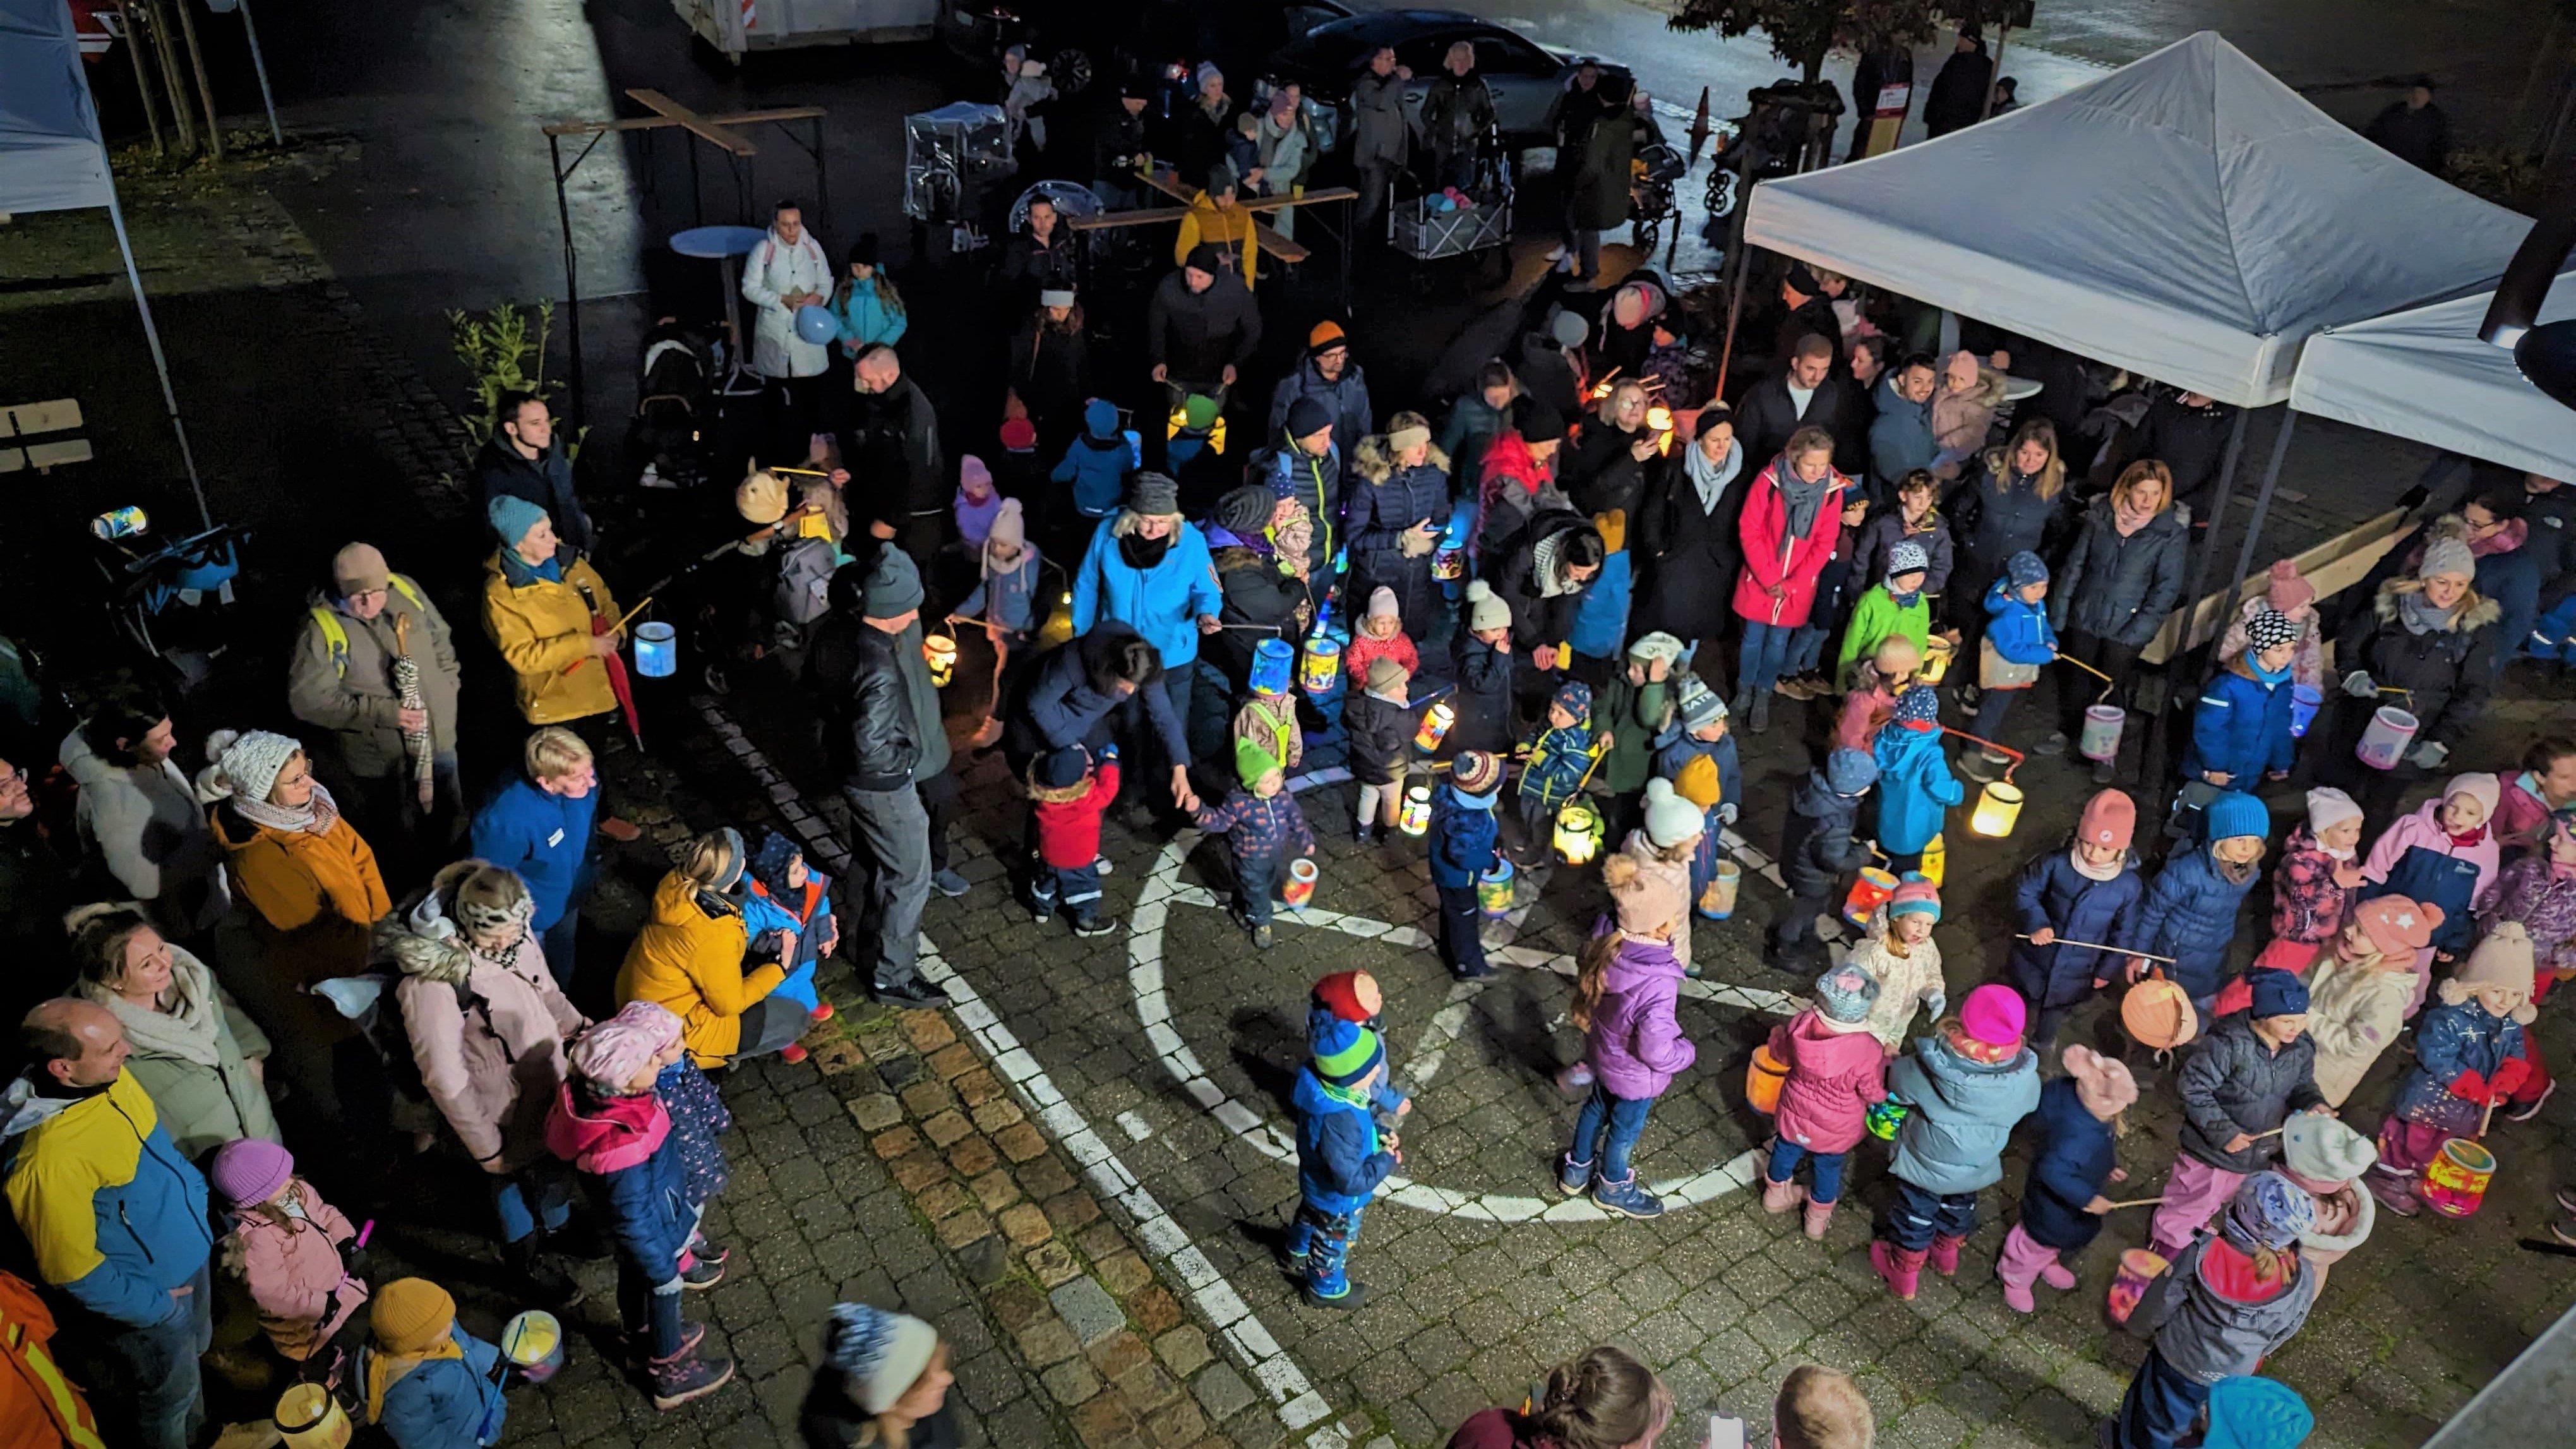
(1670, 819)
(245, 763)
(2327, 806)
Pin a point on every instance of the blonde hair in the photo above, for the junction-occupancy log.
(554, 752)
(705, 860)
(818, 493)
(1821, 1408)
(1125, 524)
(1456, 46)
(2145, 470)
(2052, 474)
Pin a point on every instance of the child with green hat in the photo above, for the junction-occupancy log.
(1265, 830)
(1341, 1155)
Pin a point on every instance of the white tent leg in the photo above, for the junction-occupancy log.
(160, 363)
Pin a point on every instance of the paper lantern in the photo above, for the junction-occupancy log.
(940, 652)
(2385, 738)
(1998, 806)
(1322, 667)
(2305, 701)
(657, 650)
(310, 1418)
(1435, 725)
(1936, 659)
(1578, 831)
(1660, 419)
(1870, 890)
(1301, 883)
(2455, 1181)
(1272, 662)
(2101, 737)
(1494, 891)
(1415, 817)
(533, 1342)
(1936, 861)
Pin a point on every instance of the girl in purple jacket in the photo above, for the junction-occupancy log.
(1624, 992)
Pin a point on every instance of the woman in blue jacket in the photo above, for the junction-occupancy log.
(429, 1383)
(1150, 569)
(1915, 786)
(2191, 908)
(2090, 891)
(2241, 727)
(865, 307)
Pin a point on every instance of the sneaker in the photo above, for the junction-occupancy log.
(1041, 914)
(1103, 866)
(1572, 1177)
(686, 1375)
(1351, 1296)
(1262, 937)
(821, 1012)
(701, 1273)
(620, 830)
(1792, 687)
(918, 996)
(1760, 714)
(1088, 926)
(2532, 1108)
(793, 1053)
(1475, 971)
(1974, 765)
(1627, 1199)
(2055, 744)
(951, 884)
(1556, 253)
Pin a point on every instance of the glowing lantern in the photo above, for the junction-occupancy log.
(1435, 726)
(1301, 884)
(1998, 806)
(1415, 817)
(1578, 831)
(1936, 659)
(1869, 891)
(940, 652)
(1059, 625)
(1272, 662)
(1322, 665)
(1494, 891)
(657, 650)
(1660, 418)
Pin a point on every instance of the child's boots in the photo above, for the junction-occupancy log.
(1901, 1267)
(686, 1375)
(1779, 1197)
(1626, 1198)
(1945, 1255)
(1820, 1215)
(1572, 1177)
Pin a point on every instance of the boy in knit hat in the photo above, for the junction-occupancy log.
(2471, 1058)
(1463, 849)
(1898, 952)
(1816, 851)
(1341, 1155)
(2191, 906)
(1915, 786)
(1836, 1073)
(2239, 1086)
(1699, 732)
(1346, 999)
(1380, 636)
(1264, 829)
(1380, 726)
(425, 1379)
(1967, 1084)
(2062, 1207)
(1556, 762)
(1097, 464)
(1892, 608)
(1484, 653)
(2018, 639)
(2328, 1160)
(1068, 797)
(2241, 727)
(2090, 892)
(1632, 710)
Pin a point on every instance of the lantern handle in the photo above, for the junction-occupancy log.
(2108, 684)
(2018, 758)
(2098, 946)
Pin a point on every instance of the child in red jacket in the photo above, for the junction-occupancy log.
(1069, 797)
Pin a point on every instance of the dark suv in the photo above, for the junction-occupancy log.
(1525, 77)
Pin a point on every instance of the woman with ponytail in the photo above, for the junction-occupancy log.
(1602, 1400)
(1629, 977)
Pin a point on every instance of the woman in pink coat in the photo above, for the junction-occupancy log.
(1836, 1072)
(287, 1246)
(1791, 522)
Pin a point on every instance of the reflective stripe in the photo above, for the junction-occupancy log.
(335, 635)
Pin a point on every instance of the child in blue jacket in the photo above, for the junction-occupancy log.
(2090, 891)
(2062, 1204)
(1098, 463)
(2191, 907)
(1559, 756)
(1915, 786)
(428, 1383)
(782, 893)
(1484, 652)
(1264, 828)
(1463, 848)
(1601, 620)
(2241, 727)
(2017, 632)
(1966, 1085)
(1341, 1155)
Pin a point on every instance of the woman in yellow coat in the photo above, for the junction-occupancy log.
(548, 612)
(688, 959)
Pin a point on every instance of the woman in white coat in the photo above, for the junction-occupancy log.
(786, 271)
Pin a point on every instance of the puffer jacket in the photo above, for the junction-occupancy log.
(442, 1403)
(1463, 836)
(870, 733)
(2416, 858)
(2452, 1042)
(2240, 728)
(340, 677)
(542, 836)
(145, 823)
(1885, 530)
(1260, 832)
(1253, 589)
(1484, 696)
(2308, 906)
(2205, 1335)
(2120, 588)
(2448, 672)
(543, 630)
(629, 1161)
(2543, 898)
(1953, 1140)
(2233, 1082)
(313, 897)
(1388, 502)
(1345, 397)
(2355, 1009)
(1007, 598)
(487, 1034)
(1381, 738)
(1098, 463)
(1198, 334)
(1163, 602)
(1907, 984)
(1834, 1078)
(2307, 655)
(1636, 1046)
(1774, 558)
(2190, 915)
(2019, 631)
(1512, 485)
(115, 1216)
(1999, 513)
(1915, 788)
(1339, 1160)
(294, 1272)
(862, 317)
(1816, 846)
(689, 959)
(2051, 894)
(2073, 1162)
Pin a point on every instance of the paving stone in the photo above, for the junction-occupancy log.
(1052, 1262)
(1047, 1341)
(997, 1114)
(1122, 1273)
(1088, 1309)
(1175, 1425)
(1072, 1210)
(1118, 1354)
(1183, 1350)
(994, 1189)
(977, 1087)
(894, 1144)
(1016, 1305)
(927, 1031)
(1221, 1391)
(986, 1261)
(974, 1157)
(951, 1062)
(1020, 1141)
(875, 1112)
(941, 1199)
(1102, 1422)
(1153, 1309)
(1101, 1240)
(1026, 1225)
(964, 1228)
(947, 1128)
(1071, 1381)
(919, 1169)
(1044, 1178)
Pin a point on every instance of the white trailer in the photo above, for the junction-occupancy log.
(738, 27)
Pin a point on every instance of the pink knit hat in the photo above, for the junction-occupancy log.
(2110, 818)
(249, 1171)
(2286, 590)
(1995, 1015)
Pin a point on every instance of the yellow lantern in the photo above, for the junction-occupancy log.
(1059, 625)
(1998, 806)
(940, 652)
(1936, 659)
(1435, 727)
(1578, 831)
(1322, 664)
(1936, 861)
(1415, 817)
(1660, 419)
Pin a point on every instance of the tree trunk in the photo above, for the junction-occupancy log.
(142, 75)
(205, 88)
(182, 111)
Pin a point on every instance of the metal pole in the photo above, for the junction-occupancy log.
(2177, 672)
(259, 63)
(1994, 77)
(2262, 505)
(572, 278)
(143, 87)
(205, 87)
(1743, 267)
(160, 362)
(822, 181)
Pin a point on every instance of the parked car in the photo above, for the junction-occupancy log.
(1525, 76)
(1145, 37)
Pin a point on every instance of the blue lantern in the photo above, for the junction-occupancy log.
(1272, 663)
(657, 650)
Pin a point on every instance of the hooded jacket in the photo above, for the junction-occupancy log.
(1067, 699)
(2240, 728)
(1230, 229)
(1775, 558)
(1834, 1079)
(1816, 845)
(115, 1216)
(487, 1034)
(689, 960)
(1961, 420)
(341, 677)
(1163, 603)
(2355, 1009)
(2019, 631)
(1538, 617)
(1339, 1160)
(1289, 471)
(2051, 894)
(1346, 398)
(1953, 1140)
(2190, 915)
(1463, 836)
(2235, 1083)
(545, 480)
(1263, 832)
(1197, 335)
(1389, 502)
(2451, 1041)
(1381, 738)
(1068, 821)
(629, 1161)
(2449, 671)
(2416, 858)
(2073, 1161)
(2307, 905)
(442, 1403)
(2121, 588)
(1900, 437)
(295, 1273)
(1906, 984)
(40, 1406)
(1636, 1046)
(863, 317)
(2205, 1335)
(1915, 788)
(773, 270)
(145, 823)
(1098, 463)
(543, 630)
(542, 836)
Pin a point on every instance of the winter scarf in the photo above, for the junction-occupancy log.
(1711, 479)
(2420, 616)
(1140, 552)
(1543, 565)
(519, 573)
(2090, 871)
(183, 1024)
(316, 818)
(2130, 519)
(1802, 497)
(450, 960)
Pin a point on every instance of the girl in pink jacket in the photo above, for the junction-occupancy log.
(1836, 1073)
(2317, 883)
(289, 1248)
(2444, 854)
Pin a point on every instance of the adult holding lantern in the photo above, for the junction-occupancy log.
(782, 277)
(2426, 649)
(552, 617)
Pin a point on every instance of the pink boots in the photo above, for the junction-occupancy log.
(1819, 1215)
(1945, 1256)
(1779, 1197)
(1901, 1267)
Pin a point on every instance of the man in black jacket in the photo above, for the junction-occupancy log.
(2187, 432)
(1119, 148)
(1803, 394)
(524, 460)
(2415, 130)
(874, 740)
(1201, 327)
(903, 490)
(35, 886)
(1810, 314)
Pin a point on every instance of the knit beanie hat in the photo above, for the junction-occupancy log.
(1382, 605)
(246, 764)
(1536, 420)
(611, 1052)
(2398, 926)
(2246, 1412)
(1576, 696)
(1343, 1051)
(1306, 416)
(2102, 1083)
(2323, 1149)
(1323, 337)
(1350, 996)
(1845, 994)
(1385, 674)
(2269, 1210)
(1153, 495)
(1063, 769)
(1670, 819)
(2478, 785)
(2110, 818)
(1643, 901)
(1849, 772)
(761, 498)
(1994, 1015)
(1010, 526)
(2286, 590)
(1907, 557)
(358, 568)
(1485, 610)
(249, 1170)
(1919, 707)
(2329, 807)
(1251, 762)
(1697, 781)
(1476, 772)
(2025, 569)
(1245, 512)
(2269, 630)
(1654, 646)
(891, 587)
(881, 1354)
(2235, 813)
(1916, 897)
(2276, 993)
(2448, 556)
(2503, 959)
(1207, 257)
(1019, 435)
(1700, 705)
(1100, 419)
(511, 517)
(973, 476)
(410, 1316)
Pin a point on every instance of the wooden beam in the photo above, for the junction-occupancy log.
(656, 123)
(700, 126)
(1272, 243)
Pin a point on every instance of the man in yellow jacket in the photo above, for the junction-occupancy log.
(548, 612)
(1214, 219)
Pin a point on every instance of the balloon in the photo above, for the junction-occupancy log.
(816, 324)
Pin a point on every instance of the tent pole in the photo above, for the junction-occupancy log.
(2176, 669)
(1743, 266)
(183, 115)
(205, 87)
(1995, 76)
(160, 363)
(259, 63)
(2262, 502)
(572, 280)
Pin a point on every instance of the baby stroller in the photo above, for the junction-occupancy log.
(665, 444)
(173, 601)
(1652, 196)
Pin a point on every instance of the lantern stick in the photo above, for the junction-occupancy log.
(2107, 683)
(2098, 946)
(2018, 758)
(2138, 1202)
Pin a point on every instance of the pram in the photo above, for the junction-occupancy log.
(666, 441)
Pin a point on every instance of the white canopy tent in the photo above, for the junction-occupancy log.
(2188, 217)
(2423, 374)
(53, 157)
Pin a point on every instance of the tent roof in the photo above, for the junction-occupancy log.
(2423, 374)
(2187, 216)
(50, 156)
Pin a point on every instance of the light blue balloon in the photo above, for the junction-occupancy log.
(816, 324)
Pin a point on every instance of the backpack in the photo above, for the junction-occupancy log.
(335, 635)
